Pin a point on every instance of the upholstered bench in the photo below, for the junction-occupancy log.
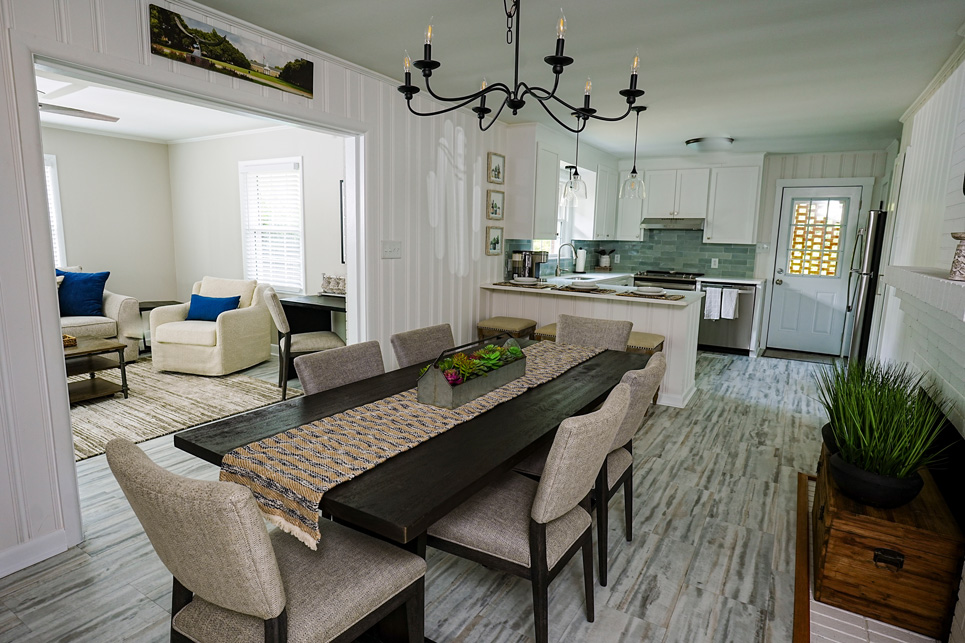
(515, 326)
(648, 343)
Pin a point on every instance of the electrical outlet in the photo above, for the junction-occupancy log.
(616, 258)
(391, 249)
(713, 262)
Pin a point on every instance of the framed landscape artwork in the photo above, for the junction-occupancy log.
(497, 168)
(193, 42)
(494, 240)
(494, 204)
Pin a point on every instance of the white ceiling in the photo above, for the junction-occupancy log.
(776, 75)
(142, 116)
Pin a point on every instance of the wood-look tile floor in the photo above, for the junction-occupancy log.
(711, 559)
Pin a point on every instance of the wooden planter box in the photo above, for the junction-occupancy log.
(902, 566)
(434, 389)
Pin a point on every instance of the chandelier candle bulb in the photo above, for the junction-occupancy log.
(560, 34)
(633, 70)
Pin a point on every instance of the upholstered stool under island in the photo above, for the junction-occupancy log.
(648, 343)
(516, 326)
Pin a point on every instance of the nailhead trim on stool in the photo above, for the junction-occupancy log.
(515, 326)
(545, 333)
(647, 343)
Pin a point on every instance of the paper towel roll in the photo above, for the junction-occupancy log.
(580, 261)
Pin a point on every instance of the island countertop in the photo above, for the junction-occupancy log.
(689, 296)
(677, 321)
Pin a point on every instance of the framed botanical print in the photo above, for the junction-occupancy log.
(494, 240)
(494, 204)
(497, 168)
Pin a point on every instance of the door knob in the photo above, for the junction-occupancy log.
(778, 281)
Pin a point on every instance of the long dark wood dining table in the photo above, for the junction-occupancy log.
(398, 499)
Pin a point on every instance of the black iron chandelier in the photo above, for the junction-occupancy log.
(515, 97)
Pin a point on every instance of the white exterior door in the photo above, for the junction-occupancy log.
(810, 281)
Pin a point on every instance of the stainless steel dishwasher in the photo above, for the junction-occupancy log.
(733, 334)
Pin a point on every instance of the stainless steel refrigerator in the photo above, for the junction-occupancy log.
(863, 281)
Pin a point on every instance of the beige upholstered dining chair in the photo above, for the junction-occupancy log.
(531, 529)
(617, 470)
(290, 345)
(330, 369)
(233, 581)
(421, 345)
(585, 331)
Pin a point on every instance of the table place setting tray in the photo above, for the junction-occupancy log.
(590, 291)
(536, 286)
(642, 296)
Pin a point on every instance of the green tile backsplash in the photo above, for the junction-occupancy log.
(682, 250)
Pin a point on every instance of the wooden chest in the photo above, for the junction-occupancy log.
(902, 566)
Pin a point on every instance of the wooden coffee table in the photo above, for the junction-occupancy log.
(87, 358)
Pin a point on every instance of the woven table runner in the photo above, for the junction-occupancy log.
(533, 286)
(591, 291)
(641, 296)
(288, 473)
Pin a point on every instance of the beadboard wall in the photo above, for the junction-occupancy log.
(422, 183)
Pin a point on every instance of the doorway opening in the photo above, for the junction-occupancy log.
(155, 188)
(815, 245)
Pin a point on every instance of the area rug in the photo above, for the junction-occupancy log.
(162, 403)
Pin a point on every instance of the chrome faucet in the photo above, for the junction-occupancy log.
(559, 258)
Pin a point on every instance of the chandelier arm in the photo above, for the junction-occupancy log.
(470, 97)
(575, 130)
(441, 111)
(533, 91)
(483, 128)
(611, 118)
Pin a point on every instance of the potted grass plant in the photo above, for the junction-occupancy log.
(884, 423)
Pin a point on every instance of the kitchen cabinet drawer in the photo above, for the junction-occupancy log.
(733, 208)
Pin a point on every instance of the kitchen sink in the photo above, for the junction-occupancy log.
(578, 278)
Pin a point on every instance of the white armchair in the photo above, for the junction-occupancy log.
(240, 338)
(120, 321)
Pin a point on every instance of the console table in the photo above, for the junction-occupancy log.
(86, 358)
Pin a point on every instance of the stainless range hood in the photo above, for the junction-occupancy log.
(675, 223)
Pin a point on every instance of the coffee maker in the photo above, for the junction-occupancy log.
(526, 262)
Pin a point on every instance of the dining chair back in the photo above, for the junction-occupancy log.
(613, 334)
(330, 369)
(421, 345)
(228, 569)
(643, 384)
(578, 451)
(291, 345)
(210, 535)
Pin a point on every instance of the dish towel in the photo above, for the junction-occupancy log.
(712, 303)
(728, 303)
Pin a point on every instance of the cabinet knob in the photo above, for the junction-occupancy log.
(778, 281)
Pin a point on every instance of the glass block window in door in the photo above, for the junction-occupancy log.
(814, 247)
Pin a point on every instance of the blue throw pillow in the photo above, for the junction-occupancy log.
(208, 308)
(81, 293)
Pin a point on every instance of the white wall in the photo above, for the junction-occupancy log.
(206, 202)
(116, 200)
(421, 182)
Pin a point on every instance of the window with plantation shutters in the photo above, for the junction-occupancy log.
(273, 222)
(53, 210)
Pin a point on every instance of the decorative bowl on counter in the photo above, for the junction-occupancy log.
(651, 290)
(579, 285)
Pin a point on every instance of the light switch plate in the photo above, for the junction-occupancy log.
(713, 262)
(391, 249)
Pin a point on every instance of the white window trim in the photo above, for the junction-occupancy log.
(54, 211)
(267, 165)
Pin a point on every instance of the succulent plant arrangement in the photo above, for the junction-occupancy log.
(462, 367)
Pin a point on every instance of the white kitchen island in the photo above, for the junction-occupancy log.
(677, 321)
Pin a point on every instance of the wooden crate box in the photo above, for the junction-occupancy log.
(902, 566)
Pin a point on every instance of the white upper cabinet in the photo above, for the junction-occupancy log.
(605, 212)
(734, 197)
(547, 193)
(677, 193)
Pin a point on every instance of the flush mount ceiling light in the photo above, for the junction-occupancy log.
(710, 143)
(515, 97)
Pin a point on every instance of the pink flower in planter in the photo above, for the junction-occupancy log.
(452, 376)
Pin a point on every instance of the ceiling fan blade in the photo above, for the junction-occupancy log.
(80, 113)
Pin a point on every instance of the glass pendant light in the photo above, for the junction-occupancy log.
(633, 187)
(575, 187)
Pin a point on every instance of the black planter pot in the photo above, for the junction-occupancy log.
(828, 436)
(884, 492)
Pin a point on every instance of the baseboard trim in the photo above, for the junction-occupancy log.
(33, 551)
